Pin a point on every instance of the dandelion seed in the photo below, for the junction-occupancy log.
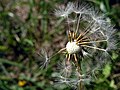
(99, 19)
(64, 11)
(82, 8)
(65, 69)
(43, 58)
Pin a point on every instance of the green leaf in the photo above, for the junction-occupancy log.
(114, 56)
(112, 84)
(29, 42)
(107, 70)
(3, 48)
(102, 7)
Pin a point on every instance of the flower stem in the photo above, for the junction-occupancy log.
(80, 84)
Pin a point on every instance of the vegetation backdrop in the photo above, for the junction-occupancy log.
(26, 27)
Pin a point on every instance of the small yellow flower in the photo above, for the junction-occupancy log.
(22, 83)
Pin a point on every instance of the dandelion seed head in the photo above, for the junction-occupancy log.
(90, 38)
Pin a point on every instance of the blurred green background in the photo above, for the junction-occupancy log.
(26, 27)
